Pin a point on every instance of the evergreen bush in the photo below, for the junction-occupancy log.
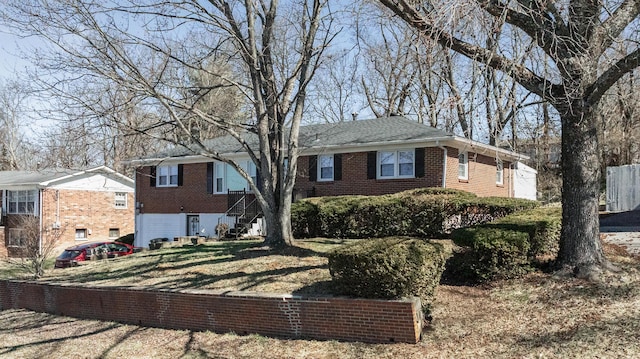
(388, 268)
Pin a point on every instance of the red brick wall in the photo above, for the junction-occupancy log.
(91, 210)
(482, 175)
(191, 197)
(481, 181)
(75, 209)
(326, 318)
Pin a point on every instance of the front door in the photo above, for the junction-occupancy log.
(193, 225)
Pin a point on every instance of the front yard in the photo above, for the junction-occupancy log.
(537, 316)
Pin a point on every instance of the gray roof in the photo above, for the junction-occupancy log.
(14, 178)
(348, 136)
(45, 177)
(379, 130)
(351, 133)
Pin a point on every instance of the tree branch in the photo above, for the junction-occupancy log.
(613, 74)
(529, 80)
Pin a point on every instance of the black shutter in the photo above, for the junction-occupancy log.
(419, 162)
(152, 176)
(259, 180)
(337, 167)
(180, 172)
(209, 177)
(372, 158)
(313, 168)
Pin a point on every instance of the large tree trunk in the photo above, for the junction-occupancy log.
(580, 247)
(279, 232)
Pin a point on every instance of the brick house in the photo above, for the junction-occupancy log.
(72, 205)
(178, 193)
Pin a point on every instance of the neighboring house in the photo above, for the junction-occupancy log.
(524, 181)
(180, 194)
(623, 188)
(72, 205)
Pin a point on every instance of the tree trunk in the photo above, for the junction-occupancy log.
(580, 247)
(279, 232)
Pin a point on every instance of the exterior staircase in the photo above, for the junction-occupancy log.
(241, 216)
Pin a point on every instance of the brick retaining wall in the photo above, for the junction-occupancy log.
(365, 320)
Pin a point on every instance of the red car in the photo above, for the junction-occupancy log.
(94, 250)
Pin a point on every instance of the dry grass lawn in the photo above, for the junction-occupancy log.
(535, 317)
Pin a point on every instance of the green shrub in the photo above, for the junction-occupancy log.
(424, 212)
(509, 246)
(493, 253)
(543, 226)
(388, 268)
(304, 219)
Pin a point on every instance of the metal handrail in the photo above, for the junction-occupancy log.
(255, 213)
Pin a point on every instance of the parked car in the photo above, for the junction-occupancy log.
(90, 251)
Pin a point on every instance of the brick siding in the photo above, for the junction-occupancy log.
(481, 181)
(481, 176)
(94, 211)
(192, 196)
(324, 318)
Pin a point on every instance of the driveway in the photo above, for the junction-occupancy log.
(622, 228)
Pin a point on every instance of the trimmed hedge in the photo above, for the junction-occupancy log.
(424, 212)
(388, 268)
(508, 247)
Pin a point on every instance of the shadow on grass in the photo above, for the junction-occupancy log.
(320, 288)
(31, 320)
(585, 334)
(213, 266)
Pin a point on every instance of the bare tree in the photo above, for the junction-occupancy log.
(579, 38)
(620, 122)
(34, 246)
(150, 47)
(14, 146)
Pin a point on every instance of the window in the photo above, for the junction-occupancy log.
(325, 168)
(17, 237)
(227, 178)
(463, 166)
(396, 164)
(251, 170)
(21, 202)
(121, 200)
(219, 177)
(114, 232)
(499, 172)
(81, 234)
(167, 176)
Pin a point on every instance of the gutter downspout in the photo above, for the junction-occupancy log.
(40, 197)
(444, 163)
(512, 178)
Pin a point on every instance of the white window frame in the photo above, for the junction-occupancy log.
(219, 180)
(253, 173)
(325, 160)
(395, 157)
(82, 230)
(220, 175)
(169, 174)
(499, 172)
(463, 165)
(120, 200)
(18, 199)
(16, 234)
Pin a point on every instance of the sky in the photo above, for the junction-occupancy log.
(9, 49)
